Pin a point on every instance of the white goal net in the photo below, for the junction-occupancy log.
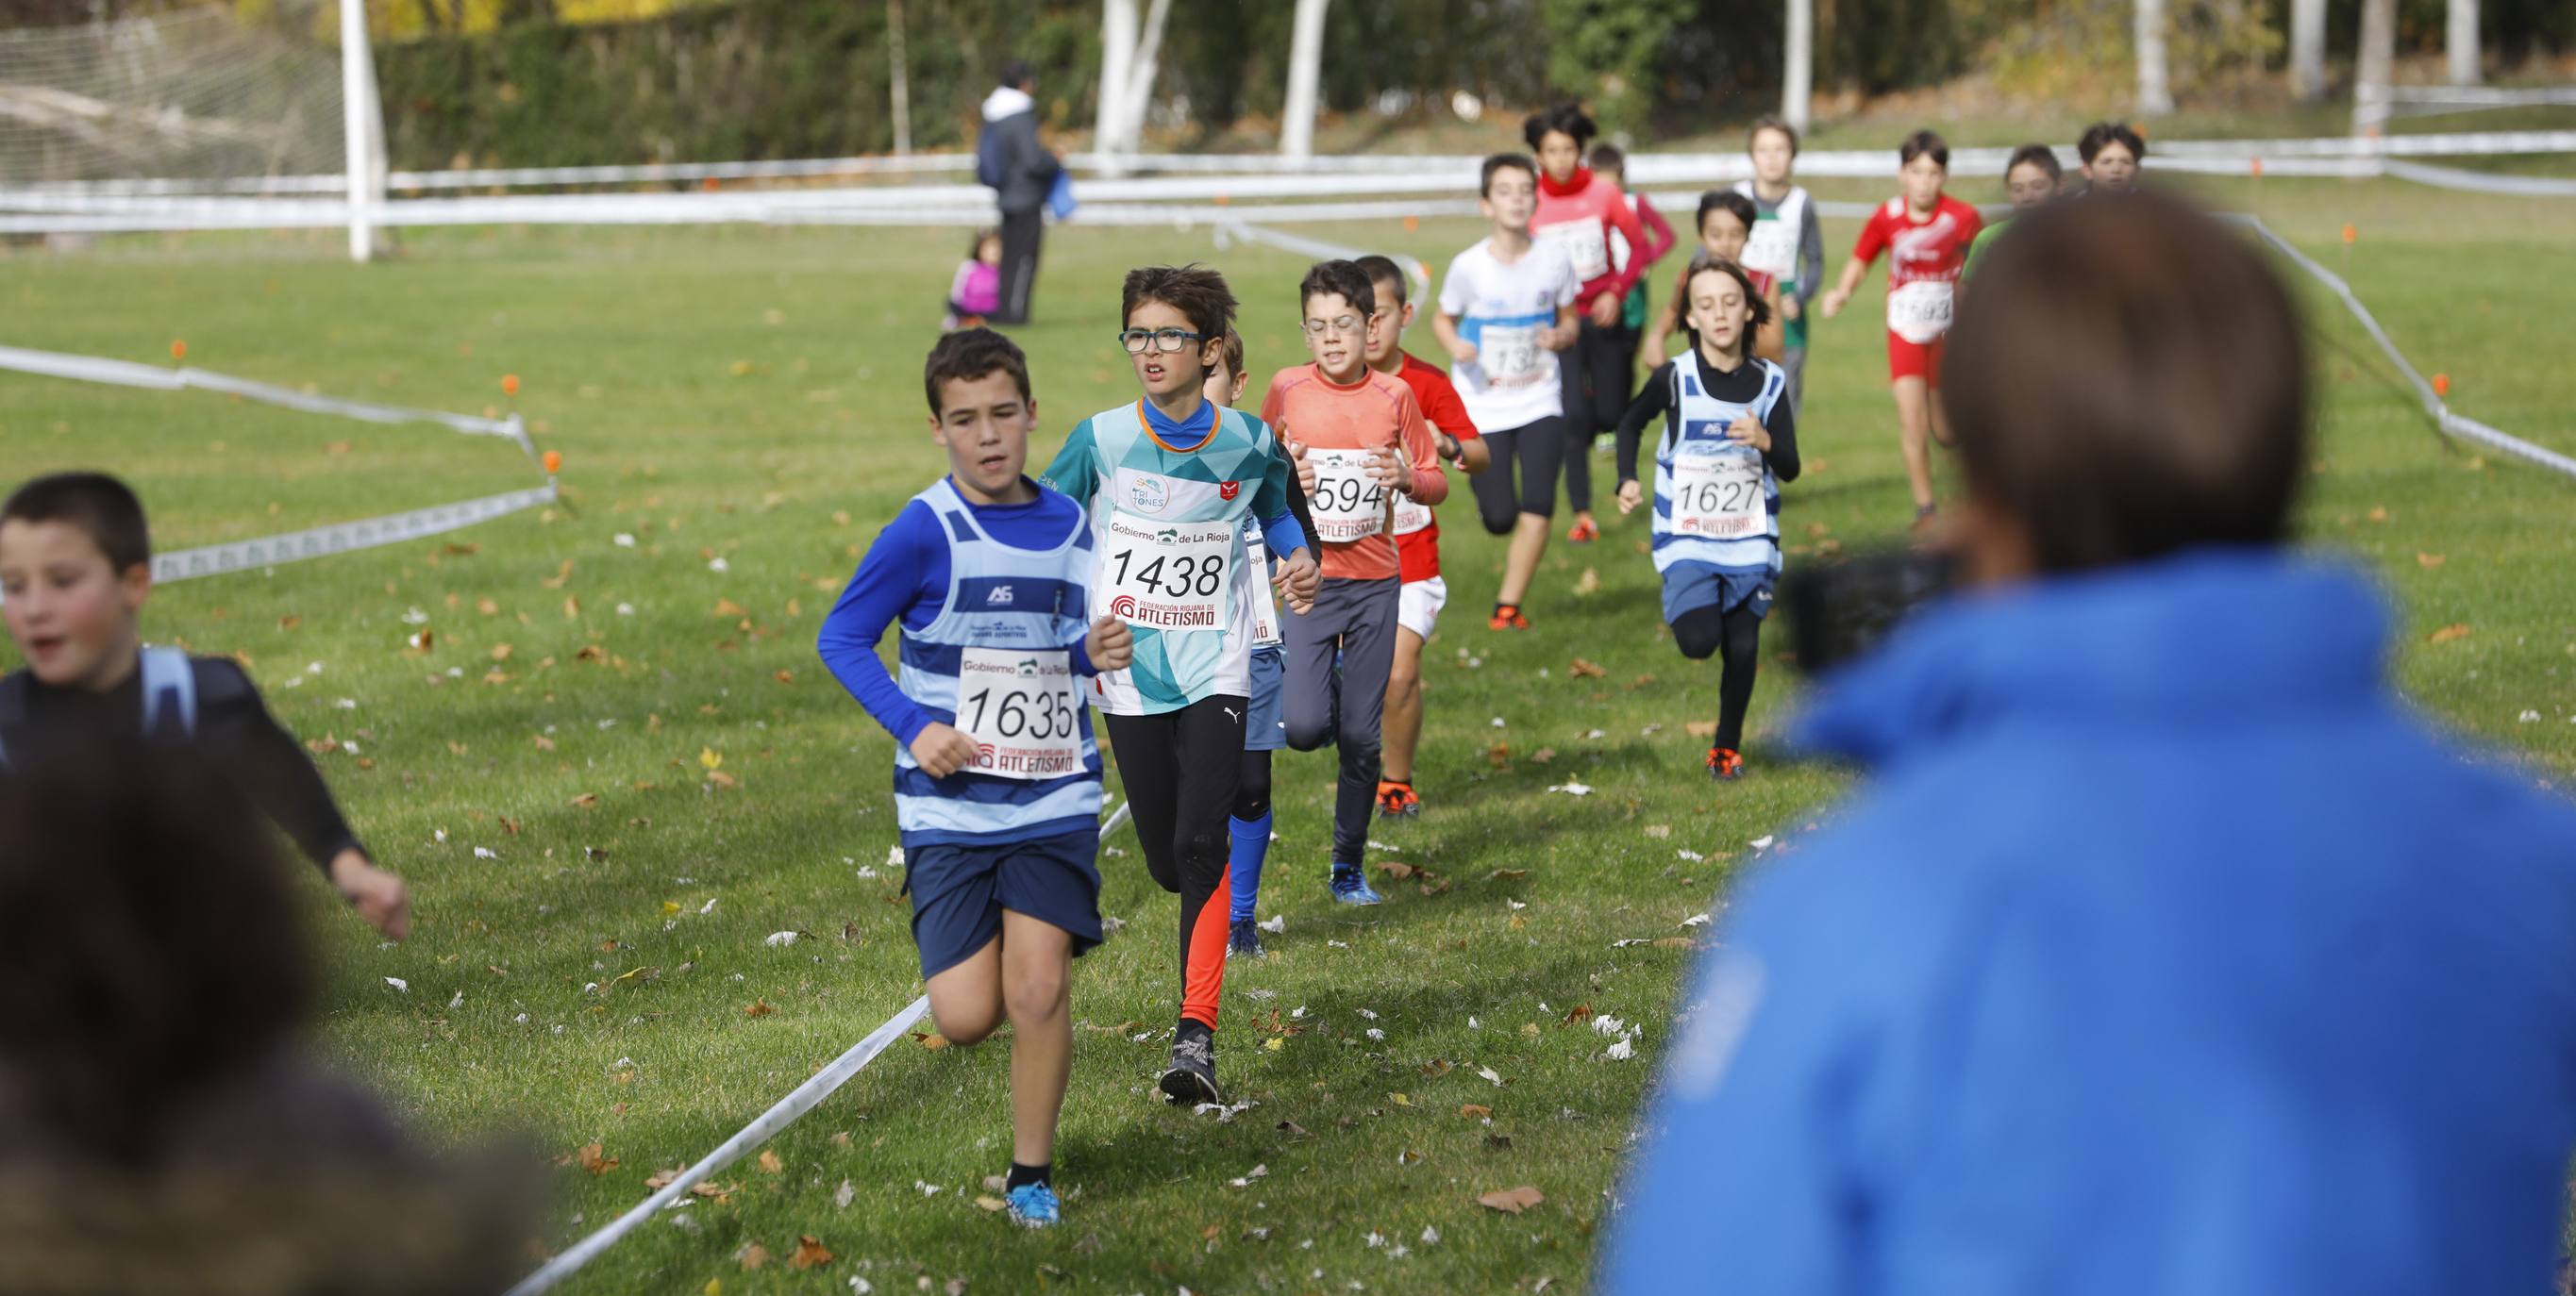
(192, 102)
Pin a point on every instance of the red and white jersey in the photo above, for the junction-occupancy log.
(1923, 264)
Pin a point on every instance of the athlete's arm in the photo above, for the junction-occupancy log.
(1449, 415)
(1650, 348)
(1873, 239)
(895, 575)
(1444, 330)
(1772, 342)
(1811, 254)
(1659, 232)
(1624, 219)
(1563, 334)
(1298, 509)
(1074, 471)
(1648, 408)
(275, 771)
(1427, 484)
(1783, 427)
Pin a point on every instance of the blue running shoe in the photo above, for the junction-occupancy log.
(1350, 886)
(1033, 1205)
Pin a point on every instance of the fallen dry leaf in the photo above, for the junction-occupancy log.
(662, 1179)
(931, 1042)
(1701, 728)
(543, 742)
(726, 607)
(769, 1162)
(1588, 583)
(585, 801)
(594, 1159)
(501, 652)
(1499, 755)
(989, 1202)
(722, 779)
(1512, 1201)
(2456, 630)
(1589, 670)
(753, 1256)
(2429, 560)
(758, 1008)
(809, 1253)
(1504, 875)
(1659, 831)
(1475, 1111)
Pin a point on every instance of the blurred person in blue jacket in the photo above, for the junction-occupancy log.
(2167, 950)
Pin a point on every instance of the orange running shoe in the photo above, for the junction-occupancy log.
(1395, 799)
(1725, 764)
(1507, 616)
(1582, 532)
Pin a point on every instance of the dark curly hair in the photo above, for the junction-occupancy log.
(1567, 119)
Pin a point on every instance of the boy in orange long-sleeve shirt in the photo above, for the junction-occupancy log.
(1356, 434)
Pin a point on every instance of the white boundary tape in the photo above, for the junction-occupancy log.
(317, 542)
(126, 373)
(2453, 424)
(802, 1099)
(342, 537)
(1149, 200)
(799, 1101)
(1452, 169)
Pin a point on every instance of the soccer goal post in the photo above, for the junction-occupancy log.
(200, 102)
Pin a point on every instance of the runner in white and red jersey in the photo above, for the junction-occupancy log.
(1926, 234)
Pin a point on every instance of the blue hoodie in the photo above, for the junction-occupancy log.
(2166, 953)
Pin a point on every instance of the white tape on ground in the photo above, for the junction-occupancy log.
(799, 1101)
(1414, 269)
(126, 373)
(2443, 418)
(2480, 181)
(342, 537)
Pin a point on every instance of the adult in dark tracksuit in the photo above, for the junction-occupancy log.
(1026, 173)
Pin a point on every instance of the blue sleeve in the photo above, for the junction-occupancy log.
(907, 563)
(1282, 534)
(1745, 1178)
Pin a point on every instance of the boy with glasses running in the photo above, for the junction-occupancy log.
(1169, 480)
(1357, 436)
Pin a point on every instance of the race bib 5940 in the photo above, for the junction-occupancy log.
(1349, 502)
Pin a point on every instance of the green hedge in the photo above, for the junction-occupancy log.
(754, 79)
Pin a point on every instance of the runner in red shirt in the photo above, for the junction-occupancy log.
(1926, 234)
(1417, 531)
(1580, 211)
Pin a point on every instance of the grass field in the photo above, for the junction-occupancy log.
(752, 396)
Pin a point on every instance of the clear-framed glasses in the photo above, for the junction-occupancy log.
(1345, 325)
(1168, 340)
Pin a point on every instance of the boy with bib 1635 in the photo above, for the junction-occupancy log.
(996, 778)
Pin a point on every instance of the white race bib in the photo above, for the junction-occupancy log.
(1167, 575)
(1719, 496)
(1020, 710)
(1349, 502)
(1262, 612)
(1772, 248)
(1919, 312)
(1586, 243)
(1410, 516)
(1509, 354)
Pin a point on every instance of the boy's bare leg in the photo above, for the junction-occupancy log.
(1037, 960)
(1940, 419)
(1529, 543)
(966, 999)
(1403, 723)
(1914, 432)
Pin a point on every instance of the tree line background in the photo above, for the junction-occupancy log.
(576, 82)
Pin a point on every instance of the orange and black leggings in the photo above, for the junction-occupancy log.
(1180, 770)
